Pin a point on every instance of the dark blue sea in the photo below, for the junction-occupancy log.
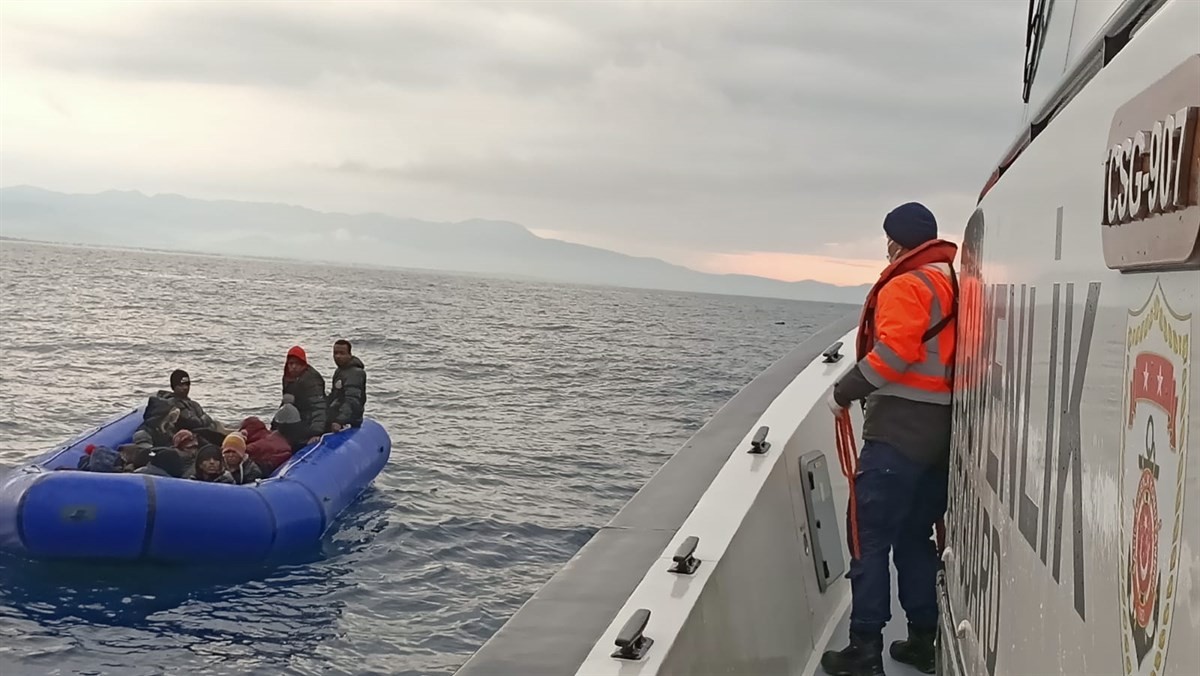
(522, 416)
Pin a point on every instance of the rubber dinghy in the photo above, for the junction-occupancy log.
(48, 514)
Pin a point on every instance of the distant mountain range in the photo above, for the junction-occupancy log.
(176, 223)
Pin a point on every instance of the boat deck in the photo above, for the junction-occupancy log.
(896, 630)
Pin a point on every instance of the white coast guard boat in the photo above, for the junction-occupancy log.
(1073, 534)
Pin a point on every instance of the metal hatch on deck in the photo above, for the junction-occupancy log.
(822, 518)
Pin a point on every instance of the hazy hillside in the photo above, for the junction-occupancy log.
(173, 222)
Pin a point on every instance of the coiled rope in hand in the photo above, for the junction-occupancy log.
(847, 452)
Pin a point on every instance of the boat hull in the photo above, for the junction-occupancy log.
(49, 514)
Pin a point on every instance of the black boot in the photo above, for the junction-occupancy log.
(863, 657)
(918, 650)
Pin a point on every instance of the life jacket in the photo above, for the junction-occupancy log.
(904, 346)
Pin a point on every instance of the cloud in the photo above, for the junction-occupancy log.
(678, 129)
(402, 45)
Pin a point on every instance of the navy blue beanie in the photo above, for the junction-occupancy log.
(910, 225)
(100, 459)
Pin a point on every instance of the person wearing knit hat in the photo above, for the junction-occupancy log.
(234, 442)
(307, 388)
(908, 226)
(191, 413)
(904, 376)
(100, 459)
(237, 462)
(210, 467)
(287, 421)
(164, 462)
(183, 438)
(187, 444)
(287, 413)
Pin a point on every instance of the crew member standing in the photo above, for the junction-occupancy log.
(905, 348)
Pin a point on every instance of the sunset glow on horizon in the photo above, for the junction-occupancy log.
(789, 267)
(777, 265)
(793, 267)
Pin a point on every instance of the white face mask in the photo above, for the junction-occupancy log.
(893, 251)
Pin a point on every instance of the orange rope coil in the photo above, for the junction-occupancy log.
(847, 451)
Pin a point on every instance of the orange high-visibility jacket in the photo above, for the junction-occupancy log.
(909, 349)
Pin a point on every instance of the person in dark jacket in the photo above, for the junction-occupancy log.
(133, 456)
(160, 421)
(210, 467)
(188, 445)
(307, 388)
(240, 466)
(164, 462)
(191, 413)
(100, 459)
(348, 395)
(287, 422)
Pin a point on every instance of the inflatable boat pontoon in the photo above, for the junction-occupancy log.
(49, 514)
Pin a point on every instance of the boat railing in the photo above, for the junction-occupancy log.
(765, 553)
(673, 539)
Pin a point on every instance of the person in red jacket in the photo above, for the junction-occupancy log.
(905, 374)
(268, 449)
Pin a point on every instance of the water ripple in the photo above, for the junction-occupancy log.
(522, 417)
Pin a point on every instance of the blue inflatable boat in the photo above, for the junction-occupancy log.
(48, 514)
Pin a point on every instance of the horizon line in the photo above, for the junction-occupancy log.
(744, 258)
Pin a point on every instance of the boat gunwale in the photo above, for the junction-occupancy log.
(554, 630)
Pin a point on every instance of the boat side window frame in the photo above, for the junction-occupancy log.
(1035, 32)
(1100, 50)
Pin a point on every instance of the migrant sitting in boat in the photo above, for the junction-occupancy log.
(188, 446)
(191, 414)
(240, 466)
(165, 462)
(270, 448)
(178, 439)
(210, 466)
(306, 386)
(348, 396)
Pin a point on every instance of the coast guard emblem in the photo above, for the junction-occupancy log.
(1151, 485)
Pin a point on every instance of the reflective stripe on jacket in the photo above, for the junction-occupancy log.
(903, 362)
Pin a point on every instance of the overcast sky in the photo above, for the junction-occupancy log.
(750, 137)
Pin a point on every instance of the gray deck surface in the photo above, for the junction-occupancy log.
(896, 630)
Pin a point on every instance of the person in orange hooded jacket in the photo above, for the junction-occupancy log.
(904, 376)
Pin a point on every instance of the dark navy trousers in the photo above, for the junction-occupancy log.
(898, 503)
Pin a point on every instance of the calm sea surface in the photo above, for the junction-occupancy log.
(522, 416)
